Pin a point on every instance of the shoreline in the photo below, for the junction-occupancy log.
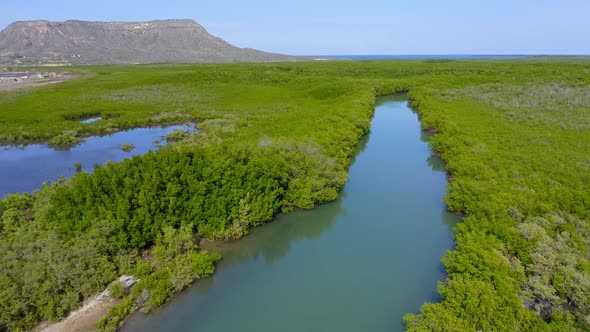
(220, 245)
(85, 135)
(86, 317)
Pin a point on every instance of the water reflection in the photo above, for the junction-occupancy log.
(357, 264)
(425, 136)
(274, 240)
(25, 168)
(387, 99)
(436, 163)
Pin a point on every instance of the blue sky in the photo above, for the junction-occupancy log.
(308, 27)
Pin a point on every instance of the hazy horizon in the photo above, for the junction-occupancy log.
(373, 27)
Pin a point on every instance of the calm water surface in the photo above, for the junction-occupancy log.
(357, 264)
(24, 169)
(424, 56)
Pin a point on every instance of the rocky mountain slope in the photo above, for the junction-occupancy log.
(82, 42)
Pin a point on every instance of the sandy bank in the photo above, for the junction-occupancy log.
(85, 318)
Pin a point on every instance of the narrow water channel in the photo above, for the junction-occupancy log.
(357, 264)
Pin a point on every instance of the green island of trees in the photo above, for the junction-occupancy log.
(276, 136)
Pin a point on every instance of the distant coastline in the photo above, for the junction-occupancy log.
(438, 56)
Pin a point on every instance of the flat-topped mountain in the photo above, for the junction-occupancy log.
(83, 42)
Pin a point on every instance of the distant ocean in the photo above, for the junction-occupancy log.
(423, 56)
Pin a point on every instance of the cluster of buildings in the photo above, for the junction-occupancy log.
(23, 76)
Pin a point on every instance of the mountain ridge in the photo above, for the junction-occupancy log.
(120, 42)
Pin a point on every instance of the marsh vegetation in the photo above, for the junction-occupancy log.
(127, 147)
(20, 165)
(279, 136)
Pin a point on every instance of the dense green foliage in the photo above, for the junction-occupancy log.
(177, 263)
(116, 290)
(277, 136)
(44, 274)
(517, 151)
(127, 147)
(177, 135)
(68, 137)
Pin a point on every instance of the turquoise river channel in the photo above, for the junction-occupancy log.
(359, 263)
